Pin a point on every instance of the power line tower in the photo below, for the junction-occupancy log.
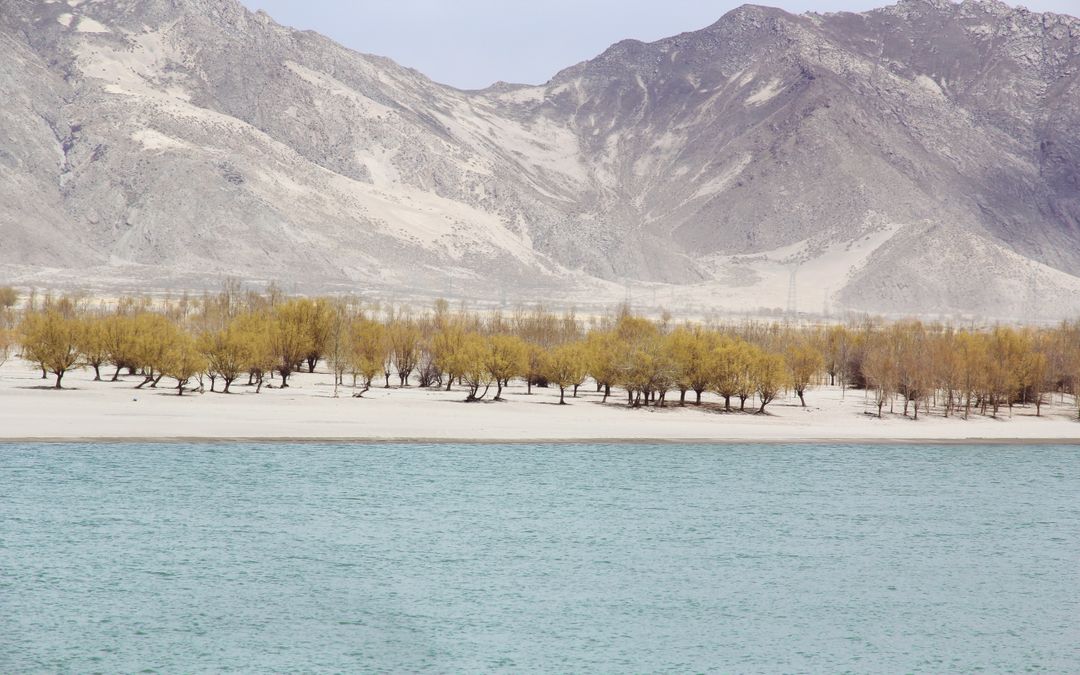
(792, 295)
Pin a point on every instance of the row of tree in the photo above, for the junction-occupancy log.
(236, 336)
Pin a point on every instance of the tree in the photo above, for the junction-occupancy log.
(881, 372)
(256, 330)
(836, 345)
(183, 360)
(8, 297)
(950, 368)
(1034, 369)
(473, 364)
(290, 337)
(729, 364)
(745, 382)
(153, 334)
(120, 342)
(446, 349)
(537, 367)
(804, 362)
(367, 351)
(404, 339)
(51, 340)
(567, 366)
(506, 358)
(6, 340)
(1005, 367)
(94, 344)
(692, 351)
(227, 352)
(770, 376)
(604, 349)
(321, 320)
(337, 343)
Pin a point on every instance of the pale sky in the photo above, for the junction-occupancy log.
(473, 43)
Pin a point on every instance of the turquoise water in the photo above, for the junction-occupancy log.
(571, 558)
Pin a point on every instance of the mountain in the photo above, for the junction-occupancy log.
(919, 158)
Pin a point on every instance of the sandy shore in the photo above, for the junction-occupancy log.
(308, 411)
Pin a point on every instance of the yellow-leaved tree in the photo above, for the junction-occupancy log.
(183, 360)
(770, 378)
(51, 340)
(228, 352)
(567, 366)
(367, 351)
(804, 362)
(692, 350)
(605, 354)
(94, 343)
(290, 337)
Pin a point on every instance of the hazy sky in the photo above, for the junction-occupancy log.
(473, 43)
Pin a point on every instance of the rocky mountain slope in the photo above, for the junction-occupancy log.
(924, 157)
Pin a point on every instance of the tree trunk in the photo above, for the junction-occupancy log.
(97, 372)
(697, 394)
(59, 376)
(284, 379)
(682, 397)
(562, 395)
(116, 375)
(801, 399)
(575, 390)
(498, 392)
(727, 403)
(312, 360)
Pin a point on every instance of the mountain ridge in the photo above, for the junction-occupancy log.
(173, 139)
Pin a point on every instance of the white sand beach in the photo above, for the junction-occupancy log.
(307, 410)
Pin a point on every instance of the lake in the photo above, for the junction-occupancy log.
(569, 558)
